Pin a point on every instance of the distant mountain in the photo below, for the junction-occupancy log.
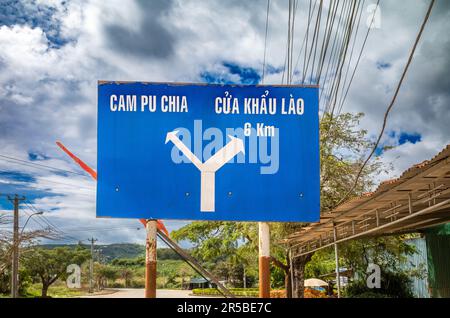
(109, 252)
(124, 250)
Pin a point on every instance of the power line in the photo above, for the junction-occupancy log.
(66, 184)
(386, 114)
(360, 8)
(314, 41)
(37, 165)
(265, 42)
(51, 181)
(33, 219)
(63, 231)
(325, 92)
(359, 58)
(44, 218)
(101, 229)
(329, 26)
(47, 224)
(342, 55)
(289, 41)
(287, 68)
(307, 37)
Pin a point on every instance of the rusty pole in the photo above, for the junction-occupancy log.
(264, 260)
(150, 260)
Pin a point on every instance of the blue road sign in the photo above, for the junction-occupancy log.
(208, 152)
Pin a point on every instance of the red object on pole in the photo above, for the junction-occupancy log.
(85, 167)
(160, 225)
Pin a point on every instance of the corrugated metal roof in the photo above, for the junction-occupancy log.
(422, 182)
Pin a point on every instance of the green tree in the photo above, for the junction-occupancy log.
(104, 273)
(224, 247)
(49, 265)
(129, 262)
(343, 149)
(126, 274)
(322, 263)
(388, 252)
(27, 239)
(184, 273)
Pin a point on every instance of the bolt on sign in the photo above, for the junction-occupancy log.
(208, 152)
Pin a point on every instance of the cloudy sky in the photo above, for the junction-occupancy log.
(52, 53)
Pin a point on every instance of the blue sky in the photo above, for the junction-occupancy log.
(54, 52)
(232, 73)
(398, 139)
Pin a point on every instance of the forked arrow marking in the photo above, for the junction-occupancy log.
(225, 154)
(172, 136)
(209, 168)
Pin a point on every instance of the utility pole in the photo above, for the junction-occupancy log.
(91, 265)
(15, 248)
(244, 278)
(336, 259)
(150, 260)
(291, 271)
(264, 259)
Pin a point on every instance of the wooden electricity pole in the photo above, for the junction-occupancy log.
(91, 266)
(264, 259)
(150, 260)
(15, 248)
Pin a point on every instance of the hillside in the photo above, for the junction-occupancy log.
(121, 250)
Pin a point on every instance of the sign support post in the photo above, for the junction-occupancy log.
(264, 259)
(150, 260)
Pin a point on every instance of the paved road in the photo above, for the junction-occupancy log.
(139, 293)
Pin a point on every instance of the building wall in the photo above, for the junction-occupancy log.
(438, 252)
(418, 262)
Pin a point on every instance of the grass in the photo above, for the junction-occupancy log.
(59, 290)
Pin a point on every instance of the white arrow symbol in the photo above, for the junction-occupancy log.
(209, 168)
(172, 136)
(225, 154)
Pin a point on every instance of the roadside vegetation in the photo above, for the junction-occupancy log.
(43, 271)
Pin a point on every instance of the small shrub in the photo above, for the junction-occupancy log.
(238, 292)
(393, 285)
(314, 293)
(117, 285)
(278, 293)
(137, 284)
